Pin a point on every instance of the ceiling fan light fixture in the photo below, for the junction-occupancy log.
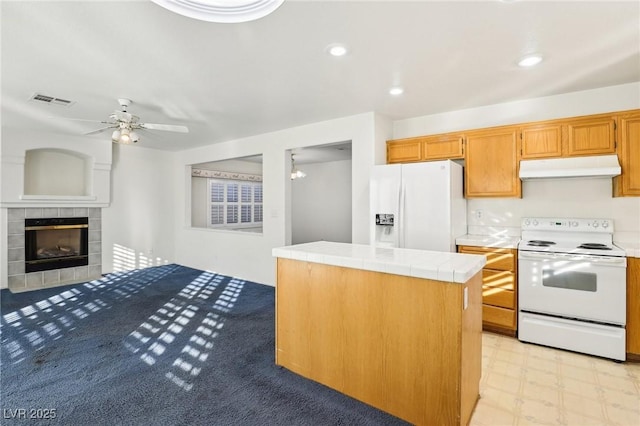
(221, 11)
(115, 136)
(125, 137)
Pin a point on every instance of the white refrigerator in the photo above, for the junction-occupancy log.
(417, 205)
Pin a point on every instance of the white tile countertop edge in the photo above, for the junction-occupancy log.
(441, 266)
(496, 241)
(631, 249)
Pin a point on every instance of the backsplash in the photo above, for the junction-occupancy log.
(582, 198)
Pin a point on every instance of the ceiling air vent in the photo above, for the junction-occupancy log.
(51, 100)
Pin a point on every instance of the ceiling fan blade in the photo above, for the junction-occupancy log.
(168, 127)
(93, 132)
(82, 119)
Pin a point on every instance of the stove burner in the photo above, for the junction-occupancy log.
(594, 246)
(540, 243)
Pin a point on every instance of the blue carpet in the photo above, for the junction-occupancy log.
(167, 345)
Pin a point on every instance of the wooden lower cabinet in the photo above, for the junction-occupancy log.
(499, 288)
(633, 308)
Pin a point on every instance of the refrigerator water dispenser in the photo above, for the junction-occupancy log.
(385, 235)
(384, 219)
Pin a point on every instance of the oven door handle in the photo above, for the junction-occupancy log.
(530, 255)
(613, 261)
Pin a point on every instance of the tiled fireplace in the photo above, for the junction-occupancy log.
(89, 249)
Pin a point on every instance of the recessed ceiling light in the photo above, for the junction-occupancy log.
(530, 60)
(337, 49)
(396, 90)
(223, 11)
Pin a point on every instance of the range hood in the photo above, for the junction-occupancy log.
(605, 166)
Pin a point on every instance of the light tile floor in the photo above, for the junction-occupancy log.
(526, 384)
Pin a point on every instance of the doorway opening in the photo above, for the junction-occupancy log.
(321, 200)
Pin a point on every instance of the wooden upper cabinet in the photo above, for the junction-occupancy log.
(425, 148)
(492, 163)
(591, 136)
(492, 156)
(443, 147)
(628, 184)
(541, 141)
(404, 150)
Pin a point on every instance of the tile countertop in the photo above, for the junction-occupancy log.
(632, 249)
(434, 265)
(497, 241)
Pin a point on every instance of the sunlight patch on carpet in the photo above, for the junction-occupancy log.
(51, 318)
(181, 314)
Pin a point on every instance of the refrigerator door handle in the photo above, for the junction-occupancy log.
(401, 219)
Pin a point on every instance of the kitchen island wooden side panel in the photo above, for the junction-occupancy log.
(416, 339)
(362, 367)
(402, 344)
(292, 319)
(471, 343)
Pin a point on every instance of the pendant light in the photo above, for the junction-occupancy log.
(296, 173)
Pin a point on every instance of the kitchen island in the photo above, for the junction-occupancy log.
(398, 329)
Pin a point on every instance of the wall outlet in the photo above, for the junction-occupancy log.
(478, 214)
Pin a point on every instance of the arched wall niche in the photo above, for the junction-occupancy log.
(52, 171)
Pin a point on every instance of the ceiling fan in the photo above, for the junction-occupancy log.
(126, 124)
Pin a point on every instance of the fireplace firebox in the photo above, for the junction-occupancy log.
(56, 243)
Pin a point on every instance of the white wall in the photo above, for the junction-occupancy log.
(199, 202)
(563, 198)
(138, 226)
(607, 99)
(321, 203)
(55, 172)
(246, 255)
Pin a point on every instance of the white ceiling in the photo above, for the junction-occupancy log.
(227, 81)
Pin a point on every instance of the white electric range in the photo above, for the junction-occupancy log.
(572, 286)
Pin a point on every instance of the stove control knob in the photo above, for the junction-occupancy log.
(595, 224)
(535, 222)
(605, 224)
(527, 222)
(574, 223)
